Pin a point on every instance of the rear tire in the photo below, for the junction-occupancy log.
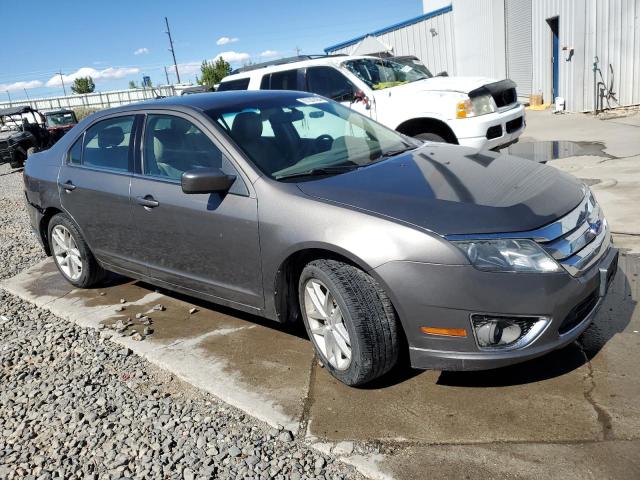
(354, 314)
(430, 137)
(71, 254)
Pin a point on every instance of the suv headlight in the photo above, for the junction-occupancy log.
(473, 107)
(508, 255)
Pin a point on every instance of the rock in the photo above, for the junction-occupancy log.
(187, 474)
(138, 315)
(137, 337)
(234, 451)
(285, 436)
(343, 448)
(122, 300)
(125, 352)
(193, 310)
(159, 307)
(120, 308)
(147, 331)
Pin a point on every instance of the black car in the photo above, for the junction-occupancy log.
(22, 132)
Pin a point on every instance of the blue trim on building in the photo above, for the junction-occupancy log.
(382, 31)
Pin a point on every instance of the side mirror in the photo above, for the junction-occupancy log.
(442, 74)
(206, 180)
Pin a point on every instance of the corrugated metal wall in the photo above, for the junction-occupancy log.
(608, 29)
(479, 38)
(434, 49)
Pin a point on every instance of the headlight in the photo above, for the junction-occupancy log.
(508, 255)
(472, 107)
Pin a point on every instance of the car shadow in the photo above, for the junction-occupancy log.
(612, 318)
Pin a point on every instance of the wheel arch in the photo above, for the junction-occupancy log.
(43, 228)
(285, 283)
(415, 126)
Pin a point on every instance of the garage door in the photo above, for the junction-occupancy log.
(519, 57)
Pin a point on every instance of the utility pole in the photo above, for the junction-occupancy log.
(9, 95)
(166, 75)
(173, 52)
(62, 80)
(27, 95)
(297, 50)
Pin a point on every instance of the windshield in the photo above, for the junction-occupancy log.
(288, 137)
(56, 119)
(415, 63)
(380, 73)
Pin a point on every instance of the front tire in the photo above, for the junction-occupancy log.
(430, 137)
(71, 254)
(350, 321)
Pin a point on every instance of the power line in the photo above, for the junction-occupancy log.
(171, 49)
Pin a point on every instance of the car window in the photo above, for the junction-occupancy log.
(286, 80)
(107, 144)
(240, 84)
(75, 152)
(330, 83)
(174, 145)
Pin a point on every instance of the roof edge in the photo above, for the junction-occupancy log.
(396, 26)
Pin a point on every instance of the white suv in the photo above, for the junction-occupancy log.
(472, 111)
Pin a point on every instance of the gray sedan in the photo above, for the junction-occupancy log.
(290, 206)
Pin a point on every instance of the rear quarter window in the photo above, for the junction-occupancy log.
(240, 84)
(286, 80)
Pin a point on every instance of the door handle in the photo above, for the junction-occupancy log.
(147, 201)
(68, 186)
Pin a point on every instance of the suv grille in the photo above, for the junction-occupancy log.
(504, 97)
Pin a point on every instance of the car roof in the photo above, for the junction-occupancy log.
(54, 112)
(328, 60)
(207, 101)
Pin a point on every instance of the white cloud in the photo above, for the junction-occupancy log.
(269, 54)
(226, 40)
(186, 68)
(233, 57)
(97, 75)
(141, 51)
(20, 85)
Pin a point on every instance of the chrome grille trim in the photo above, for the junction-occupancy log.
(573, 242)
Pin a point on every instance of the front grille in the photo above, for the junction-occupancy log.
(4, 145)
(514, 125)
(577, 315)
(504, 97)
(494, 132)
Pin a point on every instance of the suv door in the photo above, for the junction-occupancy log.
(94, 186)
(205, 242)
(331, 83)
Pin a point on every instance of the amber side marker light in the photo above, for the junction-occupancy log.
(447, 332)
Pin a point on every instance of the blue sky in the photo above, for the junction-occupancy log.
(118, 41)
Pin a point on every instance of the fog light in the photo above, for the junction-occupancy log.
(506, 332)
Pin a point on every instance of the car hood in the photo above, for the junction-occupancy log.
(441, 84)
(450, 190)
(10, 134)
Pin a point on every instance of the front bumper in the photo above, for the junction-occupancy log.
(490, 131)
(447, 296)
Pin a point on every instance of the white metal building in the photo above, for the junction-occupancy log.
(548, 47)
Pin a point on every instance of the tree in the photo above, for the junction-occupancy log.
(213, 72)
(83, 85)
(132, 84)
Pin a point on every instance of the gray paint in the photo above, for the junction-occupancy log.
(389, 219)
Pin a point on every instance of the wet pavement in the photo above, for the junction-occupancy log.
(576, 398)
(545, 151)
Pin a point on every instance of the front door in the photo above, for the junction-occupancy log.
(94, 186)
(207, 243)
(331, 83)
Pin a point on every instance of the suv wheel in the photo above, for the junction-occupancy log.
(430, 137)
(71, 254)
(350, 321)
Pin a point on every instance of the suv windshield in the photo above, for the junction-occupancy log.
(288, 137)
(380, 73)
(62, 118)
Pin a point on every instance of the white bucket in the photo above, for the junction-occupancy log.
(559, 104)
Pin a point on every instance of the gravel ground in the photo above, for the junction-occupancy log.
(75, 405)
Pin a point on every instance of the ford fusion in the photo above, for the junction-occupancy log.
(290, 206)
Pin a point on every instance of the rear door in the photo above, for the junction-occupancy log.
(94, 184)
(205, 242)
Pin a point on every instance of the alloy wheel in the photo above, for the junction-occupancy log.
(66, 252)
(326, 324)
